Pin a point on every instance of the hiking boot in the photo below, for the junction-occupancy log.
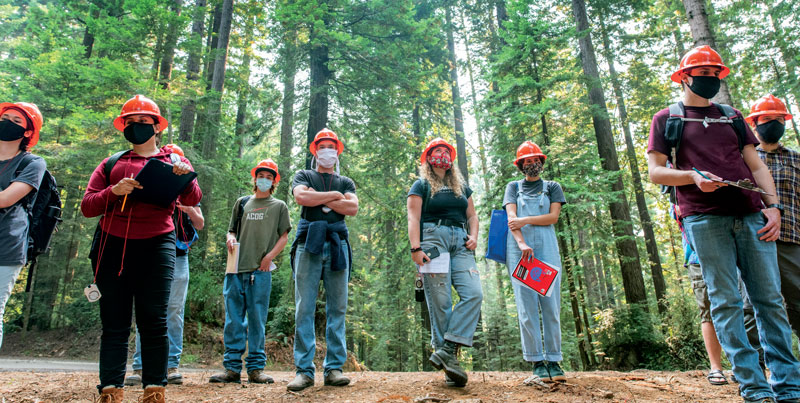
(336, 378)
(300, 382)
(174, 377)
(110, 395)
(556, 373)
(153, 394)
(451, 383)
(540, 370)
(226, 377)
(443, 359)
(258, 376)
(135, 378)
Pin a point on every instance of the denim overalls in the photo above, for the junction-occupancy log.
(542, 239)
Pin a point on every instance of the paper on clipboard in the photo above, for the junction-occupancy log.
(233, 260)
(536, 275)
(437, 265)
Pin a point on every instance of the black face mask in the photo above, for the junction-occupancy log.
(10, 131)
(705, 86)
(771, 131)
(139, 133)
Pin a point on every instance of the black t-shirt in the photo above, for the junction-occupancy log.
(322, 183)
(444, 205)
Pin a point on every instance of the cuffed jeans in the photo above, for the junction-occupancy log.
(722, 243)
(455, 324)
(246, 309)
(8, 276)
(175, 310)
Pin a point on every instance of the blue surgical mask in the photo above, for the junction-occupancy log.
(263, 184)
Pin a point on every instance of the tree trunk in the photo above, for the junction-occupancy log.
(88, 36)
(194, 50)
(567, 266)
(589, 271)
(244, 90)
(319, 76)
(212, 44)
(789, 61)
(458, 118)
(703, 35)
(173, 27)
(289, 71)
(628, 254)
(654, 259)
(476, 112)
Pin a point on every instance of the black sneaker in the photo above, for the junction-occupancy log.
(442, 359)
(226, 377)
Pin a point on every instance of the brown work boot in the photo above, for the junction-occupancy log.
(153, 394)
(226, 377)
(258, 376)
(110, 394)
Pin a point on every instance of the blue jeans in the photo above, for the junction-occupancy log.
(8, 276)
(177, 300)
(722, 243)
(246, 307)
(455, 324)
(309, 270)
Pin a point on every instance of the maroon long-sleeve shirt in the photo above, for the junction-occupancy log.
(146, 220)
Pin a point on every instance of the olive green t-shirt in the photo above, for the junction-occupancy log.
(263, 222)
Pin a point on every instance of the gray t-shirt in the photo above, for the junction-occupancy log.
(14, 219)
(263, 222)
(533, 189)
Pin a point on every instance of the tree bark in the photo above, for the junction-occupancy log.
(171, 40)
(289, 71)
(320, 76)
(244, 89)
(189, 108)
(567, 266)
(704, 35)
(628, 254)
(458, 119)
(88, 36)
(212, 43)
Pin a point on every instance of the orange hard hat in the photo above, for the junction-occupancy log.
(768, 105)
(175, 149)
(140, 105)
(269, 165)
(700, 56)
(437, 142)
(32, 112)
(529, 149)
(325, 134)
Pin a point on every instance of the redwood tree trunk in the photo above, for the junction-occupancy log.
(169, 44)
(320, 76)
(704, 35)
(289, 64)
(189, 108)
(458, 118)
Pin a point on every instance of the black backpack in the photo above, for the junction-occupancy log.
(673, 132)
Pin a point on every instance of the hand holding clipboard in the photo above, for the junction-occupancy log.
(161, 183)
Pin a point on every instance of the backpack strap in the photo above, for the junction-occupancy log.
(240, 213)
(674, 128)
(110, 162)
(29, 198)
(426, 194)
(736, 121)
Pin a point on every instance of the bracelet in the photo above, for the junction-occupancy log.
(414, 250)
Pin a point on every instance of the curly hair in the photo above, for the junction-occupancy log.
(452, 179)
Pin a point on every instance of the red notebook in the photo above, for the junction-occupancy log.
(537, 275)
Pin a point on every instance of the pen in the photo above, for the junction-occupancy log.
(126, 199)
(696, 170)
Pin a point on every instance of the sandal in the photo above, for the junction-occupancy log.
(716, 377)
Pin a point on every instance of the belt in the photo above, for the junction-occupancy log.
(448, 223)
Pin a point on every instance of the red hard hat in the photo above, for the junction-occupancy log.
(768, 105)
(325, 134)
(175, 149)
(269, 165)
(700, 56)
(529, 149)
(437, 142)
(32, 112)
(140, 105)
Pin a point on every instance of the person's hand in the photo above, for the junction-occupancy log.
(185, 209)
(772, 229)
(515, 223)
(420, 258)
(125, 186)
(266, 262)
(527, 251)
(338, 195)
(181, 168)
(472, 242)
(230, 242)
(707, 185)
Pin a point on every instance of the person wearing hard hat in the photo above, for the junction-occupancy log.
(443, 233)
(533, 206)
(768, 116)
(321, 251)
(259, 229)
(20, 124)
(187, 221)
(133, 252)
(727, 226)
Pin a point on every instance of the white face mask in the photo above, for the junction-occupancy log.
(327, 157)
(263, 184)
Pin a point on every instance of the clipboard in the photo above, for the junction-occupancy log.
(159, 185)
(536, 275)
(232, 266)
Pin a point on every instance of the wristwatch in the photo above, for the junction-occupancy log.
(416, 249)
(777, 206)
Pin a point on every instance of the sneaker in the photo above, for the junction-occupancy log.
(336, 378)
(153, 394)
(442, 359)
(226, 377)
(174, 377)
(556, 373)
(134, 379)
(540, 370)
(300, 382)
(258, 376)
(110, 395)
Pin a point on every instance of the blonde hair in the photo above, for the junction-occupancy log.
(452, 179)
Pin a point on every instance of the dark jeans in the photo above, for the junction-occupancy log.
(145, 281)
(789, 265)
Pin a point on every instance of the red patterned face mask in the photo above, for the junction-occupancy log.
(442, 162)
